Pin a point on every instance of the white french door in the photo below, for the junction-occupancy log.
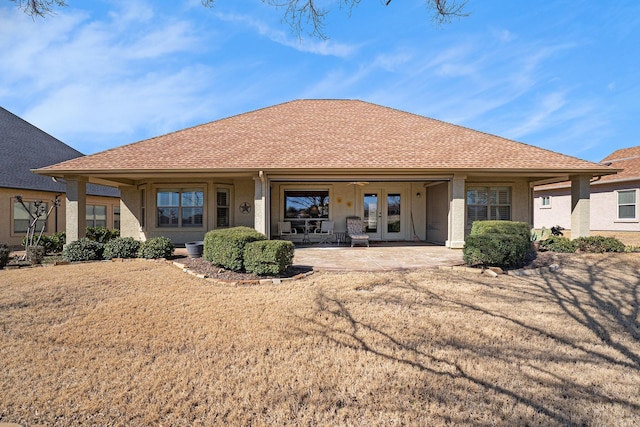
(382, 213)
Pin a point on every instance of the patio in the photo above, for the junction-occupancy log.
(380, 256)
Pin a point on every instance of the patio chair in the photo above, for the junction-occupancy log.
(354, 231)
(285, 230)
(325, 231)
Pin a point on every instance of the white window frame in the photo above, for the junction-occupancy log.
(545, 202)
(488, 205)
(180, 208)
(618, 205)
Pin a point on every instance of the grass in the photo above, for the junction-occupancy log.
(141, 343)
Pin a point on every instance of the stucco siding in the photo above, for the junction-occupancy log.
(57, 219)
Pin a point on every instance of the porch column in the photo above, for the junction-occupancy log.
(457, 196)
(76, 208)
(261, 207)
(580, 205)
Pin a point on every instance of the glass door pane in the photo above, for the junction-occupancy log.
(370, 218)
(393, 213)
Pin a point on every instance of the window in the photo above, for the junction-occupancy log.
(627, 204)
(222, 208)
(306, 204)
(485, 203)
(180, 208)
(96, 216)
(546, 201)
(22, 218)
(116, 217)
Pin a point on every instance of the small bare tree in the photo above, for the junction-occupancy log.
(39, 212)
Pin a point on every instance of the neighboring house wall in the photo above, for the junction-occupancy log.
(57, 218)
(603, 211)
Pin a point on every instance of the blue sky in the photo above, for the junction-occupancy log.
(559, 75)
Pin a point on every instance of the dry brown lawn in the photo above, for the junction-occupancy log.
(142, 343)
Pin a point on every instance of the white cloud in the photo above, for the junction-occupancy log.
(318, 47)
(101, 80)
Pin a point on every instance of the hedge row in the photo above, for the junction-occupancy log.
(593, 244)
(86, 249)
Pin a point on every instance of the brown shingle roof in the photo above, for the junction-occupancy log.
(627, 159)
(325, 134)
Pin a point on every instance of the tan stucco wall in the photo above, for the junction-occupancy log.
(7, 198)
(437, 205)
(240, 191)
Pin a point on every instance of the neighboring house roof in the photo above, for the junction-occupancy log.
(339, 135)
(627, 160)
(25, 147)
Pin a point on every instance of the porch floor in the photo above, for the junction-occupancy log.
(380, 256)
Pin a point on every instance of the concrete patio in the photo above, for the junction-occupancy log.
(380, 256)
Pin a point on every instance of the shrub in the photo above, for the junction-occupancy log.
(558, 244)
(121, 247)
(496, 250)
(52, 244)
(268, 257)
(157, 247)
(501, 227)
(599, 244)
(83, 249)
(35, 254)
(101, 234)
(4, 255)
(225, 247)
(504, 244)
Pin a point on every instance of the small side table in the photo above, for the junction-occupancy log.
(340, 237)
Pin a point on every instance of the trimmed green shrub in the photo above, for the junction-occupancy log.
(599, 244)
(121, 247)
(225, 247)
(496, 250)
(558, 244)
(52, 244)
(156, 247)
(83, 249)
(501, 227)
(268, 257)
(4, 255)
(504, 244)
(101, 234)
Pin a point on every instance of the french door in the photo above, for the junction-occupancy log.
(382, 214)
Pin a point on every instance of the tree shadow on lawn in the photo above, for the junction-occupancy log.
(546, 382)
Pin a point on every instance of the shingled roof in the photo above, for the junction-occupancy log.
(627, 159)
(326, 135)
(25, 147)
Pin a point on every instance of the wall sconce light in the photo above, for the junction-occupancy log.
(418, 194)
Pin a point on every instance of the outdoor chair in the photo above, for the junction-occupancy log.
(285, 230)
(354, 231)
(325, 231)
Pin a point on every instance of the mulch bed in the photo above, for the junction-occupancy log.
(200, 266)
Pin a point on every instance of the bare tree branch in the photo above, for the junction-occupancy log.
(39, 7)
(303, 16)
